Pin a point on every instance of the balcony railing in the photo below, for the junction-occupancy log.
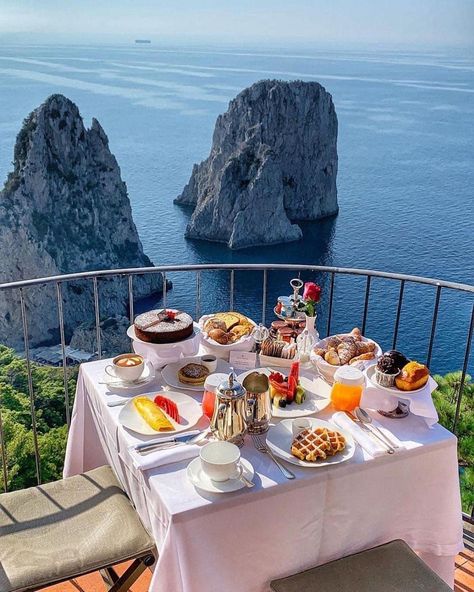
(328, 277)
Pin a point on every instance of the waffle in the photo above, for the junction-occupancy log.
(336, 440)
(317, 444)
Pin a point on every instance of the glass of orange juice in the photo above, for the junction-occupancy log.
(209, 397)
(347, 388)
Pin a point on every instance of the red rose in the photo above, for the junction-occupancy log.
(311, 292)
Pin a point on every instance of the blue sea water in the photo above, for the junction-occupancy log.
(406, 167)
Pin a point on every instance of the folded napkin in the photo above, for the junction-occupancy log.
(421, 403)
(368, 442)
(158, 458)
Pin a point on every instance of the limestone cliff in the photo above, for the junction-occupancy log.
(273, 161)
(65, 209)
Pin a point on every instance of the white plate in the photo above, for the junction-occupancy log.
(190, 413)
(317, 395)
(243, 344)
(164, 346)
(199, 478)
(114, 383)
(170, 373)
(280, 436)
(370, 373)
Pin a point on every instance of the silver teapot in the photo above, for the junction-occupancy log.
(229, 420)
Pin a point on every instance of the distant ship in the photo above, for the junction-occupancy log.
(142, 41)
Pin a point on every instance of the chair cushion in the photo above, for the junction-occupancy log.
(392, 567)
(62, 529)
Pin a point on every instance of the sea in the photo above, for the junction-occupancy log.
(405, 180)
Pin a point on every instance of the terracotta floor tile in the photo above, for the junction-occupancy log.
(94, 583)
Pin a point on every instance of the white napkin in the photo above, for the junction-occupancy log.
(369, 443)
(158, 458)
(421, 403)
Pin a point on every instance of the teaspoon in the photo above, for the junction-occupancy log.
(365, 418)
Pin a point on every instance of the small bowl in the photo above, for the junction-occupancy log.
(385, 379)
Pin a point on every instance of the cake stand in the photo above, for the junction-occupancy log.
(160, 354)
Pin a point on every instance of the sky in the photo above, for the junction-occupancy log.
(278, 22)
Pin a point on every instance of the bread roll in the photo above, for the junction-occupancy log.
(219, 336)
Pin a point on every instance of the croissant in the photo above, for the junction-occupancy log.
(346, 351)
(356, 334)
(333, 342)
(362, 357)
(364, 347)
(332, 357)
(319, 351)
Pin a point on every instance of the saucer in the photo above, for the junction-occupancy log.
(199, 478)
(117, 384)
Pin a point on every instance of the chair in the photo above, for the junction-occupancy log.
(392, 567)
(61, 530)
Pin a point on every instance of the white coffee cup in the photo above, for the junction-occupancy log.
(209, 361)
(299, 424)
(220, 460)
(128, 372)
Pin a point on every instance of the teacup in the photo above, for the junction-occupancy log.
(220, 460)
(299, 424)
(210, 362)
(127, 367)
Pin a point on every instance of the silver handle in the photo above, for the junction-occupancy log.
(288, 474)
(389, 448)
(386, 438)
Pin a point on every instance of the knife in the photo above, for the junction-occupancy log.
(170, 440)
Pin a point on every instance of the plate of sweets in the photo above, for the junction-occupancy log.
(227, 330)
(292, 395)
(316, 444)
(395, 373)
(166, 413)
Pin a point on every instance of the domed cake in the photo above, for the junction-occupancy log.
(163, 326)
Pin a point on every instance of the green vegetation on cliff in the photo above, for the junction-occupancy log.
(48, 389)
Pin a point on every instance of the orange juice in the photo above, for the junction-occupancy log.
(345, 397)
(347, 388)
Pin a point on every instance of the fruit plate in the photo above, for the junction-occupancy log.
(170, 373)
(317, 395)
(370, 373)
(280, 437)
(190, 413)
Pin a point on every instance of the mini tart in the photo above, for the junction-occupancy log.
(412, 377)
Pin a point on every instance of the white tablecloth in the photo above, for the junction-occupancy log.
(240, 541)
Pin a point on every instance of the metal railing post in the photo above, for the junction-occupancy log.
(231, 300)
(264, 297)
(30, 385)
(366, 304)
(198, 294)
(97, 318)
(331, 297)
(433, 326)
(163, 274)
(399, 312)
(464, 371)
(63, 352)
(4, 453)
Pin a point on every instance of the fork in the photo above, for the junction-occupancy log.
(261, 446)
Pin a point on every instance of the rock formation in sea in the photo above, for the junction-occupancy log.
(64, 208)
(273, 162)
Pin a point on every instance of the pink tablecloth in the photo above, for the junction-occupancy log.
(238, 542)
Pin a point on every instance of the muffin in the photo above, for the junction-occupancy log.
(386, 370)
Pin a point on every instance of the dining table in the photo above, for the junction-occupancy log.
(240, 541)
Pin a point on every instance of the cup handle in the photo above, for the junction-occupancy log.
(109, 373)
(149, 364)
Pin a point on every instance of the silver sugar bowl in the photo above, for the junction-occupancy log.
(229, 420)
